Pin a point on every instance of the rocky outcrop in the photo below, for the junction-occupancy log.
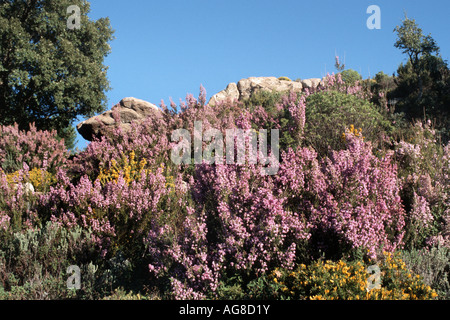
(128, 109)
(132, 109)
(311, 83)
(231, 92)
(249, 86)
(246, 87)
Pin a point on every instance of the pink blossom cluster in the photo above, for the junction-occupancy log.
(245, 223)
(425, 181)
(334, 82)
(15, 201)
(34, 147)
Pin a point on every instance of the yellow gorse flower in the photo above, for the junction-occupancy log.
(12, 177)
(352, 131)
(132, 170)
(37, 177)
(329, 280)
(128, 167)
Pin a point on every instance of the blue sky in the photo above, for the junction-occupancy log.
(169, 48)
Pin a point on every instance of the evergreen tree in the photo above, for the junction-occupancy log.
(417, 46)
(50, 72)
(423, 82)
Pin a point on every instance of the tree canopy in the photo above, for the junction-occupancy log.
(51, 74)
(423, 82)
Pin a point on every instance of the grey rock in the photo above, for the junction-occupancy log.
(231, 92)
(129, 109)
(246, 87)
(311, 83)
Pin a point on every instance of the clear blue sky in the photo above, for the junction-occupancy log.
(168, 48)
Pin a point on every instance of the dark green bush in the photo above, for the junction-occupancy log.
(329, 113)
(350, 77)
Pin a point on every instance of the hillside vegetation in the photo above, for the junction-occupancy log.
(357, 186)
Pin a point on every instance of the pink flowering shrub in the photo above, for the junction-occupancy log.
(239, 227)
(361, 205)
(424, 172)
(148, 140)
(16, 202)
(36, 148)
(247, 224)
(334, 82)
(238, 223)
(119, 209)
(117, 213)
(350, 200)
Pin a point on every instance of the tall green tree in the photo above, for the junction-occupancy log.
(50, 72)
(423, 82)
(417, 46)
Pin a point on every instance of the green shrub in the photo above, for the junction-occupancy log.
(235, 288)
(350, 77)
(266, 99)
(284, 78)
(433, 265)
(328, 114)
(33, 263)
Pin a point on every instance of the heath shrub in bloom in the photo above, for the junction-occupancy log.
(247, 224)
(147, 141)
(424, 172)
(361, 205)
(349, 200)
(240, 227)
(36, 148)
(113, 210)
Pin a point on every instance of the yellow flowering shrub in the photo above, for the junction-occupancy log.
(40, 179)
(170, 182)
(12, 177)
(130, 169)
(352, 131)
(328, 280)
